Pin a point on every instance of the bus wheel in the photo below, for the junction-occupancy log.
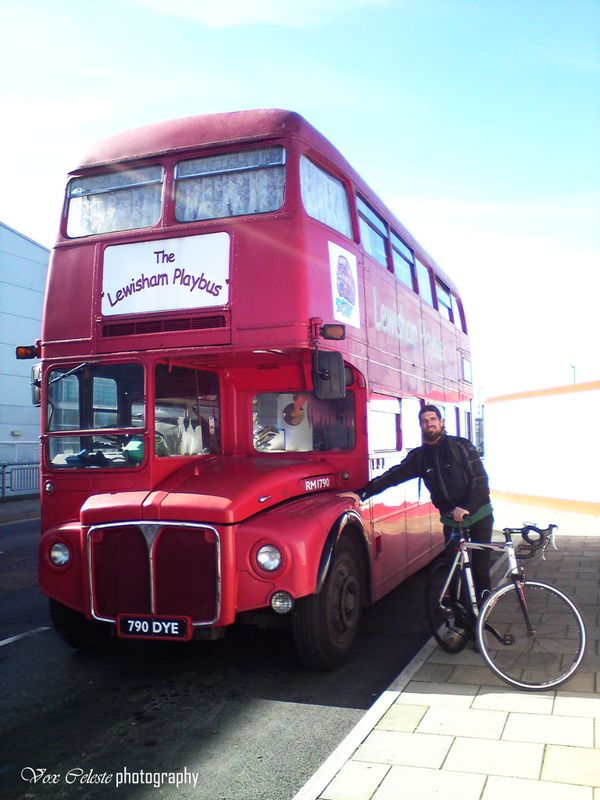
(77, 631)
(325, 625)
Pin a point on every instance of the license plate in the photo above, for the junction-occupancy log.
(143, 627)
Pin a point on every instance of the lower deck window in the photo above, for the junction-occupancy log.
(186, 411)
(285, 422)
(94, 416)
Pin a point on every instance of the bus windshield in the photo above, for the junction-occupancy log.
(92, 398)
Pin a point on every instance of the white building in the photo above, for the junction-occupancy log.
(541, 448)
(23, 268)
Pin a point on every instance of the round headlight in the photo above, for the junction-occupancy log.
(282, 602)
(60, 555)
(268, 558)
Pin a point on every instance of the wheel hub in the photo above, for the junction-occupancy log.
(345, 606)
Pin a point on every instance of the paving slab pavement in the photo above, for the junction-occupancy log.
(448, 728)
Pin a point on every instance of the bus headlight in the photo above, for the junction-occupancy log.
(60, 555)
(268, 558)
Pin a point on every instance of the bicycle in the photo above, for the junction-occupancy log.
(529, 633)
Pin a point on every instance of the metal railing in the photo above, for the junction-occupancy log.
(19, 479)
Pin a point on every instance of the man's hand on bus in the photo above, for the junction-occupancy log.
(459, 514)
(350, 496)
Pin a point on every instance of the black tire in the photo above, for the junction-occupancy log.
(77, 631)
(537, 661)
(325, 625)
(446, 620)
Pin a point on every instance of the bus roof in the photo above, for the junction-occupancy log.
(237, 127)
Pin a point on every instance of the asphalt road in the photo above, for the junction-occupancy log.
(240, 714)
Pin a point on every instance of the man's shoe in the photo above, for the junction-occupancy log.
(455, 636)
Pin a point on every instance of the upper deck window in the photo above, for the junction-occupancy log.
(444, 299)
(230, 185)
(324, 197)
(115, 201)
(424, 282)
(459, 317)
(373, 232)
(404, 260)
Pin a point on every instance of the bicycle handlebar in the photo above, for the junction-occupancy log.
(542, 537)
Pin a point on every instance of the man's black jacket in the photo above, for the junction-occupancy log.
(451, 469)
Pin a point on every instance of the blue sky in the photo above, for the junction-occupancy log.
(476, 121)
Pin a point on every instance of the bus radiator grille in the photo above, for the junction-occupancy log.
(184, 572)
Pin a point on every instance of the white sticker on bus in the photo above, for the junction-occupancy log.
(165, 275)
(344, 285)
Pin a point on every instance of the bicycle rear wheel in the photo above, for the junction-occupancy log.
(536, 659)
(447, 622)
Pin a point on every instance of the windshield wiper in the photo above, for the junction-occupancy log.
(78, 368)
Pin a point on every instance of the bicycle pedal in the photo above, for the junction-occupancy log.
(508, 639)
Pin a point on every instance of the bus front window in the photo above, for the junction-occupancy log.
(230, 185)
(286, 422)
(186, 411)
(94, 413)
(115, 201)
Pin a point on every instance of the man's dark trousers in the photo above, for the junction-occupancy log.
(480, 533)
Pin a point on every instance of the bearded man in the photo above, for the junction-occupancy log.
(450, 467)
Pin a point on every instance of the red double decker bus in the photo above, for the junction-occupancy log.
(235, 330)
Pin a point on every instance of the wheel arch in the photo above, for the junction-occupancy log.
(348, 527)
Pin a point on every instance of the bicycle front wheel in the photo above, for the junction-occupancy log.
(447, 623)
(535, 657)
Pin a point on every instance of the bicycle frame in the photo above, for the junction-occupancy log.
(463, 562)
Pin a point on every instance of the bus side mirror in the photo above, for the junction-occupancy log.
(36, 384)
(328, 375)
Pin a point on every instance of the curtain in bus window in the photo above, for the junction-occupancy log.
(230, 185)
(324, 197)
(116, 201)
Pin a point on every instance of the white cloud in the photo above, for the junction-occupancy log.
(285, 13)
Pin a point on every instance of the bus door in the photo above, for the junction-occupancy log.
(417, 501)
(386, 509)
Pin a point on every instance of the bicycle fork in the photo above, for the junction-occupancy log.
(518, 581)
